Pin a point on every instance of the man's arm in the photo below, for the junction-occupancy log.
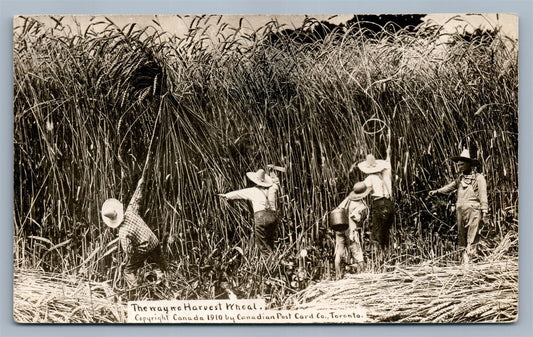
(445, 189)
(389, 151)
(483, 199)
(133, 206)
(359, 213)
(245, 193)
(344, 203)
(125, 243)
(448, 188)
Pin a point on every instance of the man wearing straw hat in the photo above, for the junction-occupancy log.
(348, 246)
(379, 181)
(472, 202)
(262, 196)
(137, 240)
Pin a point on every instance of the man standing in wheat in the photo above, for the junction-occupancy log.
(472, 202)
(137, 240)
(379, 181)
(263, 197)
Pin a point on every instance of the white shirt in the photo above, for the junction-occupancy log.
(380, 183)
(258, 197)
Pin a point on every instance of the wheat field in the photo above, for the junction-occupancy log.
(86, 104)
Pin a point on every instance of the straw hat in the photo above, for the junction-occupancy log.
(372, 165)
(465, 156)
(360, 190)
(260, 178)
(112, 212)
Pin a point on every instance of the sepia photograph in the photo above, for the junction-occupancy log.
(265, 169)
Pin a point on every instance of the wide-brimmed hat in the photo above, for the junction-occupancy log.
(360, 190)
(372, 165)
(112, 212)
(465, 156)
(260, 178)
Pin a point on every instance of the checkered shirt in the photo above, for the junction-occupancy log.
(135, 236)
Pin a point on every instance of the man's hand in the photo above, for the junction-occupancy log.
(485, 217)
(274, 177)
(432, 193)
(222, 195)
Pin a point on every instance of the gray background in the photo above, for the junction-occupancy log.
(9, 8)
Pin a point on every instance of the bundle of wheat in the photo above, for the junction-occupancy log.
(480, 292)
(53, 298)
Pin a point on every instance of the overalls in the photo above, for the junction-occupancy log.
(468, 210)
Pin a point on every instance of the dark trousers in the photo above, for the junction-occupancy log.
(136, 261)
(382, 219)
(266, 223)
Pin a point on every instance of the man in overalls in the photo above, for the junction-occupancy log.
(472, 203)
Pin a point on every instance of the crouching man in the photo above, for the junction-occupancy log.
(137, 240)
(348, 243)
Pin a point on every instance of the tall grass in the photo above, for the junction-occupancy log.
(85, 104)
